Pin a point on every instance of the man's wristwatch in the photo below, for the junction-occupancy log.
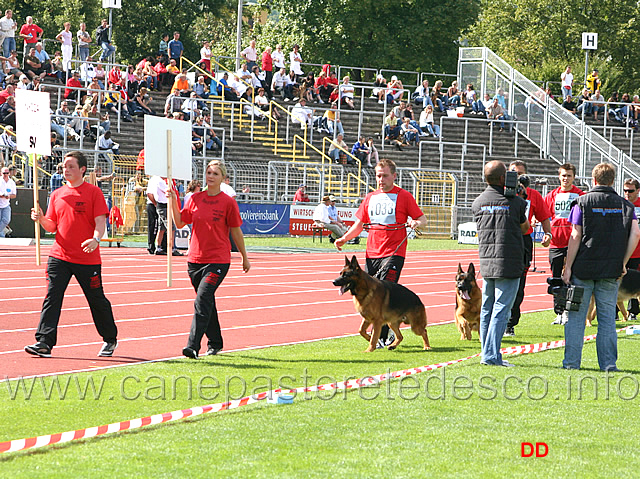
(96, 239)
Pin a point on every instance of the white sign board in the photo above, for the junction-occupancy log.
(589, 41)
(468, 233)
(33, 122)
(111, 3)
(155, 147)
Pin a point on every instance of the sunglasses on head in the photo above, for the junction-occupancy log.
(629, 191)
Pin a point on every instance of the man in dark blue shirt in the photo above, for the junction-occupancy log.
(175, 47)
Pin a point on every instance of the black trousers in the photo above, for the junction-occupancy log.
(556, 260)
(389, 269)
(633, 306)
(89, 278)
(205, 279)
(152, 226)
(515, 310)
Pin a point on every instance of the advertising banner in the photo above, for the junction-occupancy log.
(264, 219)
(301, 218)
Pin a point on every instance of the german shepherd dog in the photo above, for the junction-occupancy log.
(380, 302)
(629, 288)
(468, 302)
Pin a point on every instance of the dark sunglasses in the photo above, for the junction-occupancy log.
(630, 191)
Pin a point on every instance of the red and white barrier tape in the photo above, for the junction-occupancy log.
(59, 438)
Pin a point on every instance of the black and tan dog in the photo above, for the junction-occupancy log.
(629, 288)
(380, 302)
(468, 301)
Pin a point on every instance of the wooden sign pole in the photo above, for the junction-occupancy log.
(34, 159)
(169, 232)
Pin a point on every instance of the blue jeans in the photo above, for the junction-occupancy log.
(329, 125)
(107, 50)
(8, 45)
(498, 295)
(478, 107)
(5, 219)
(84, 53)
(606, 293)
(433, 130)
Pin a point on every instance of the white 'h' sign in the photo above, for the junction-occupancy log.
(589, 41)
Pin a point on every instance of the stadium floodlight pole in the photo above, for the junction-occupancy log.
(239, 35)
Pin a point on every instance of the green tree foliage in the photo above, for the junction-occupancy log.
(541, 37)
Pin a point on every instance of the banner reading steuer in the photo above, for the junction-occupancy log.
(33, 122)
(268, 219)
(301, 218)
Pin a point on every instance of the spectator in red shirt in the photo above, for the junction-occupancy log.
(77, 213)
(536, 207)
(74, 81)
(31, 33)
(115, 76)
(301, 195)
(267, 68)
(213, 215)
(6, 93)
(559, 202)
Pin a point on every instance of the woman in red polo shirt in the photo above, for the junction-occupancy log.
(212, 214)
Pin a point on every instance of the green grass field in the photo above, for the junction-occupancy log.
(466, 420)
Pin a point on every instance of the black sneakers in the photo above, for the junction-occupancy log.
(107, 349)
(190, 353)
(212, 351)
(39, 349)
(509, 331)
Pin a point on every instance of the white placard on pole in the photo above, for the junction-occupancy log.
(111, 3)
(155, 147)
(33, 122)
(589, 41)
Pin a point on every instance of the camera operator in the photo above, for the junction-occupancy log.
(535, 207)
(604, 234)
(559, 203)
(501, 222)
(631, 194)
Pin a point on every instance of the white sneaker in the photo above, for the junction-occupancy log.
(321, 101)
(381, 102)
(565, 318)
(558, 319)
(507, 364)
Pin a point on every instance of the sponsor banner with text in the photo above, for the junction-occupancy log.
(301, 218)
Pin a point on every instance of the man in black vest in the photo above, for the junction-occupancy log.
(604, 233)
(501, 222)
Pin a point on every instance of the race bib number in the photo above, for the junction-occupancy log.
(563, 204)
(382, 208)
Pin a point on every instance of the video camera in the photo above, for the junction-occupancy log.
(516, 185)
(565, 297)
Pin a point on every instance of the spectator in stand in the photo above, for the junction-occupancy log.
(103, 39)
(176, 48)
(292, 88)
(163, 48)
(421, 95)
(172, 70)
(205, 56)
(302, 115)
(30, 33)
(84, 40)
(325, 216)
(141, 103)
(360, 150)
(296, 60)
(558, 203)
(201, 89)
(408, 113)
(205, 134)
(395, 90)
(151, 76)
(103, 124)
(331, 121)
(496, 112)
(548, 93)
(65, 37)
(35, 85)
(279, 82)
(635, 109)
(346, 93)
(8, 112)
(101, 75)
(598, 105)
(115, 77)
(593, 81)
(278, 59)
(337, 151)
(6, 93)
(242, 88)
(569, 104)
(309, 89)
(162, 74)
(323, 86)
(57, 179)
(584, 102)
(437, 98)
(453, 95)
(469, 96)
(32, 65)
(181, 85)
(257, 79)
(426, 122)
(226, 90)
(88, 71)
(262, 102)
(12, 68)
(620, 112)
(106, 144)
(480, 107)
(43, 57)
(23, 83)
(373, 154)
(250, 55)
(379, 88)
(71, 92)
(111, 100)
(501, 99)
(392, 130)
(301, 195)
(190, 107)
(8, 27)
(567, 83)
(8, 139)
(244, 74)
(411, 134)
(267, 68)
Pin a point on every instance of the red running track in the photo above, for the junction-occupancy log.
(284, 299)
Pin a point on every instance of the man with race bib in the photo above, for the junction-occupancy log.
(559, 203)
(385, 212)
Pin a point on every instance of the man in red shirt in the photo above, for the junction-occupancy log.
(74, 81)
(386, 211)
(535, 207)
(267, 67)
(559, 202)
(301, 195)
(6, 93)
(632, 194)
(77, 213)
(31, 33)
